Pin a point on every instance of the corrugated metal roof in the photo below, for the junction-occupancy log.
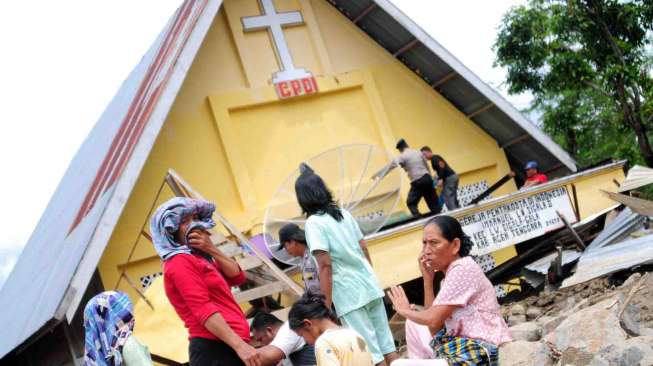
(394, 31)
(542, 265)
(638, 176)
(62, 253)
(618, 229)
(612, 258)
(535, 272)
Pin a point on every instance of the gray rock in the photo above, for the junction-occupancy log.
(516, 319)
(579, 306)
(533, 312)
(567, 304)
(545, 299)
(576, 357)
(521, 353)
(544, 319)
(529, 332)
(631, 322)
(551, 323)
(518, 309)
(634, 351)
(631, 280)
(589, 329)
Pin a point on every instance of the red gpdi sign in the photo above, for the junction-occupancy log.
(295, 88)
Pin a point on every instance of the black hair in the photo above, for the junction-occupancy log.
(401, 144)
(310, 306)
(313, 195)
(290, 232)
(263, 320)
(425, 148)
(451, 229)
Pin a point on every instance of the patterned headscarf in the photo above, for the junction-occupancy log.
(108, 321)
(166, 220)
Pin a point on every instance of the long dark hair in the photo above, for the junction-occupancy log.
(313, 195)
(310, 306)
(451, 229)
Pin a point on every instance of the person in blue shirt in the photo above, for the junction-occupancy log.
(345, 269)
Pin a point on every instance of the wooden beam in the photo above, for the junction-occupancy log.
(176, 189)
(147, 236)
(480, 110)
(249, 262)
(260, 291)
(575, 196)
(574, 234)
(137, 289)
(295, 288)
(444, 79)
(516, 140)
(364, 13)
(405, 48)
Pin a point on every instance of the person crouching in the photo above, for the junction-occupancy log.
(280, 344)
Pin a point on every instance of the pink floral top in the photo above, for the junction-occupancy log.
(479, 316)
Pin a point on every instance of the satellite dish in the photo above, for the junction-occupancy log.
(347, 171)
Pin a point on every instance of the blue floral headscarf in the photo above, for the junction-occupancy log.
(165, 223)
(108, 322)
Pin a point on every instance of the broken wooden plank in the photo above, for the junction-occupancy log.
(638, 205)
(230, 249)
(217, 237)
(249, 262)
(574, 234)
(260, 291)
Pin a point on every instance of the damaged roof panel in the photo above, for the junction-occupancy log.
(625, 223)
(612, 258)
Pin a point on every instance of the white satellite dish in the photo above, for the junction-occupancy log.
(347, 171)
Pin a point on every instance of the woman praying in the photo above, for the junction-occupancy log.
(464, 318)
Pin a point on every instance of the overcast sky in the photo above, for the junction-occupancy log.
(64, 60)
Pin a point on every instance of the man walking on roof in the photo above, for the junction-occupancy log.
(421, 183)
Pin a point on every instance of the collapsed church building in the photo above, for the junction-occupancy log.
(229, 100)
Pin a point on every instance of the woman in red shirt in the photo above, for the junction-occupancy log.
(198, 279)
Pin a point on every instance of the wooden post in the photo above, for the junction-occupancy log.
(577, 239)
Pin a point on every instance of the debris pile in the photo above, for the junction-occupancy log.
(594, 323)
(595, 302)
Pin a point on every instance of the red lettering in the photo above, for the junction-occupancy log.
(296, 87)
(283, 90)
(292, 88)
(308, 86)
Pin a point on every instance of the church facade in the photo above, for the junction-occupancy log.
(235, 94)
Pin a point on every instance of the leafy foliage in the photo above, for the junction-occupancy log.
(588, 65)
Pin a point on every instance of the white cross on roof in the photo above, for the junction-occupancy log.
(275, 22)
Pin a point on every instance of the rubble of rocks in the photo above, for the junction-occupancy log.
(594, 323)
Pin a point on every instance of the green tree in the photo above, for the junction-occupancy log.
(588, 65)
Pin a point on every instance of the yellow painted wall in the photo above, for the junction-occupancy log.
(233, 141)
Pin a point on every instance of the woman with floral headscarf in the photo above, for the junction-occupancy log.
(109, 322)
(198, 279)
